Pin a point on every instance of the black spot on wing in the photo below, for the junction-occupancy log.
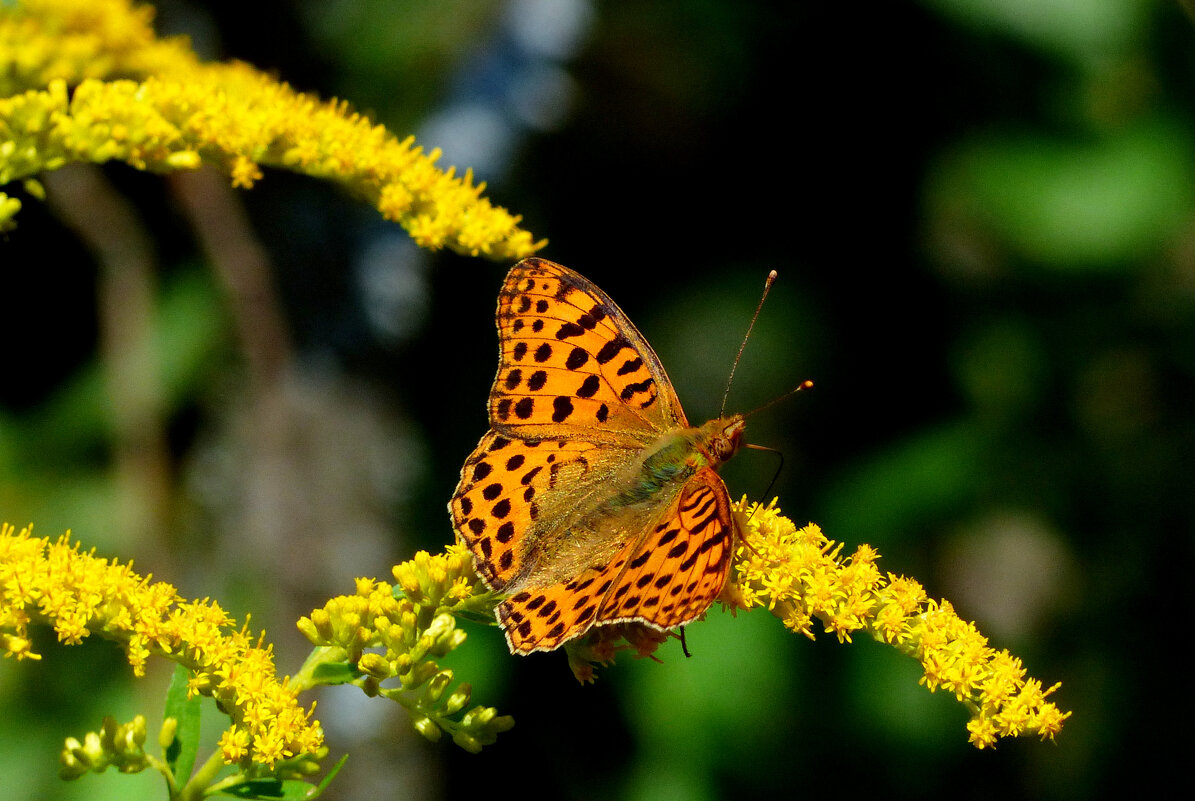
(568, 330)
(562, 409)
(631, 390)
(630, 366)
(589, 387)
(577, 358)
(612, 349)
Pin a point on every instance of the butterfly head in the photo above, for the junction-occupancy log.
(725, 435)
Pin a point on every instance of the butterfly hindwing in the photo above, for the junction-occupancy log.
(665, 579)
(679, 569)
(497, 505)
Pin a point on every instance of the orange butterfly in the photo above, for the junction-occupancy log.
(591, 501)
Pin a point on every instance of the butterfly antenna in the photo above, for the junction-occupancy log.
(779, 467)
(766, 287)
(806, 384)
(684, 646)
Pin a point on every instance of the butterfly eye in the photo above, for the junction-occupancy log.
(723, 449)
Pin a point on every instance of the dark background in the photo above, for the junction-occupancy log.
(983, 219)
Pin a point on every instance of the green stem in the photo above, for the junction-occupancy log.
(197, 787)
(164, 769)
(304, 679)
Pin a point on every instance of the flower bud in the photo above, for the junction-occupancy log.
(375, 665)
(70, 767)
(167, 733)
(459, 699)
(437, 686)
(427, 727)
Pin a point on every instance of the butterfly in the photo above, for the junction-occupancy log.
(591, 500)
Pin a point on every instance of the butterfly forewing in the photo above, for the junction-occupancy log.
(573, 365)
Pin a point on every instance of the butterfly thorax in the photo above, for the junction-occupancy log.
(673, 458)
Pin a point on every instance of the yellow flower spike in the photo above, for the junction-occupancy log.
(84, 756)
(321, 625)
(459, 699)
(461, 589)
(116, 745)
(411, 624)
(169, 111)
(799, 574)
(80, 594)
(403, 664)
(427, 727)
(435, 688)
(364, 587)
(167, 733)
(70, 766)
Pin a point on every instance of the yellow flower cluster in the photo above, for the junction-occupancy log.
(79, 594)
(378, 616)
(121, 746)
(441, 580)
(408, 626)
(41, 40)
(178, 113)
(799, 575)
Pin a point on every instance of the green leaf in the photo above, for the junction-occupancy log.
(1078, 29)
(267, 789)
(483, 616)
(1112, 201)
(336, 673)
(182, 750)
(331, 775)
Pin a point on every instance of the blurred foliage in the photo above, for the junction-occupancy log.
(982, 214)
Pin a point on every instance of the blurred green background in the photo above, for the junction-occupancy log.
(983, 217)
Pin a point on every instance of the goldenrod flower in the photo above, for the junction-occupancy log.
(118, 746)
(408, 625)
(80, 594)
(41, 40)
(800, 575)
(156, 107)
(9, 206)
